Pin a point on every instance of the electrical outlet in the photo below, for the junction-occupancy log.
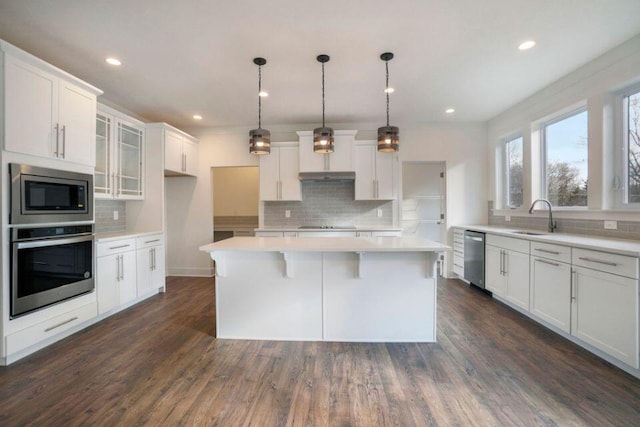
(287, 213)
(507, 218)
(611, 225)
(115, 215)
(379, 213)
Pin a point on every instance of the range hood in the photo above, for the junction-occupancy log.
(327, 176)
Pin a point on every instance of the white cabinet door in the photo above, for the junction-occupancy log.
(605, 313)
(516, 272)
(309, 160)
(107, 285)
(385, 175)
(190, 150)
(102, 179)
(493, 270)
(269, 175)
(150, 268)
(173, 160)
(288, 171)
(157, 278)
(77, 121)
(341, 158)
(128, 277)
(365, 165)
(551, 292)
(30, 109)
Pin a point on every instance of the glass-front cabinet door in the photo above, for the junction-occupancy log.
(129, 173)
(102, 183)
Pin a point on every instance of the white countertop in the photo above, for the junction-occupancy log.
(293, 228)
(327, 244)
(623, 247)
(108, 237)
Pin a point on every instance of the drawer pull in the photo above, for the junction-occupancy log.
(546, 251)
(50, 328)
(458, 252)
(459, 266)
(612, 264)
(119, 247)
(152, 241)
(555, 264)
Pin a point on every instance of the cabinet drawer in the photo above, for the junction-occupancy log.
(621, 265)
(518, 245)
(290, 234)
(458, 260)
(458, 269)
(268, 233)
(115, 247)
(149, 241)
(49, 328)
(554, 252)
(386, 234)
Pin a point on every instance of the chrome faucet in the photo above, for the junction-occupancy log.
(552, 225)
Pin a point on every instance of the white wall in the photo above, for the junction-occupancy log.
(189, 202)
(592, 84)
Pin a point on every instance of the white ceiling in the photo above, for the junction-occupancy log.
(195, 56)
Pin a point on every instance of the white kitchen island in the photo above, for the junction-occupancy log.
(331, 289)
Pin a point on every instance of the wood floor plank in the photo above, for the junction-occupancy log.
(159, 363)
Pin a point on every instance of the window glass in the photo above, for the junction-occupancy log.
(632, 133)
(513, 177)
(566, 160)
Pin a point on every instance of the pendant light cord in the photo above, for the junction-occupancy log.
(260, 99)
(386, 63)
(323, 94)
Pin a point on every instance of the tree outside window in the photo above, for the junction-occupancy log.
(566, 160)
(632, 125)
(514, 174)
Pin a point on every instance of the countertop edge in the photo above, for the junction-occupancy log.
(109, 237)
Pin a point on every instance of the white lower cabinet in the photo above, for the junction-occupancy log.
(604, 313)
(551, 292)
(507, 269)
(116, 274)
(150, 264)
(493, 270)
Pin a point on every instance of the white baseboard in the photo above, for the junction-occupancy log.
(195, 272)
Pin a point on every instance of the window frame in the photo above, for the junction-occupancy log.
(506, 170)
(621, 181)
(544, 190)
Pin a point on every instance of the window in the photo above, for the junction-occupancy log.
(513, 177)
(565, 160)
(631, 132)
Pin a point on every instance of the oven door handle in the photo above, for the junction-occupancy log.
(53, 242)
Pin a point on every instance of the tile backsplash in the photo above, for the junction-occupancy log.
(629, 230)
(329, 203)
(104, 216)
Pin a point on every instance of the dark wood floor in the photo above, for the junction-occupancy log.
(158, 363)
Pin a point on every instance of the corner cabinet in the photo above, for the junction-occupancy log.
(119, 156)
(180, 153)
(376, 173)
(341, 160)
(47, 112)
(279, 173)
(150, 264)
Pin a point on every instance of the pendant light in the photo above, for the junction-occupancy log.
(323, 137)
(259, 139)
(388, 136)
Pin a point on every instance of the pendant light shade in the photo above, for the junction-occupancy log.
(323, 136)
(388, 136)
(259, 139)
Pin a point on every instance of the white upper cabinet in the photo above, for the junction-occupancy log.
(341, 160)
(47, 112)
(119, 156)
(375, 173)
(279, 174)
(180, 153)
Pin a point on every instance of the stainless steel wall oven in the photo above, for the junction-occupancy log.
(42, 195)
(49, 265)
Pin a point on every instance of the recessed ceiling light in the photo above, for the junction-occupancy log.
(389, 90)
(113, 61)
(450, 110)
(526, 45)
(263, 93)
(197, 117)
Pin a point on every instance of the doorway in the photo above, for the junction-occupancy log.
(423, 204)
(235, 201)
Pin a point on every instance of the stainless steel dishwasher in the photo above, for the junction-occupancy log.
(474, 258)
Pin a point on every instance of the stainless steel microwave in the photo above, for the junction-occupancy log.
(42, 195)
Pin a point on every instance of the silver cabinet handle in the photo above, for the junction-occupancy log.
(64, 141)
(574, 283)
(547, 262)
(501, 262)
(117, 268)
(122, 267)
(547, 251)
(51, 328)
(506, 260)
(57, 129)
(150, 259)
(154, 259)
(612, 264)
(151, 241)
(119, 247)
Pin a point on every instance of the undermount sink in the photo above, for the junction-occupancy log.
(529, 233)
